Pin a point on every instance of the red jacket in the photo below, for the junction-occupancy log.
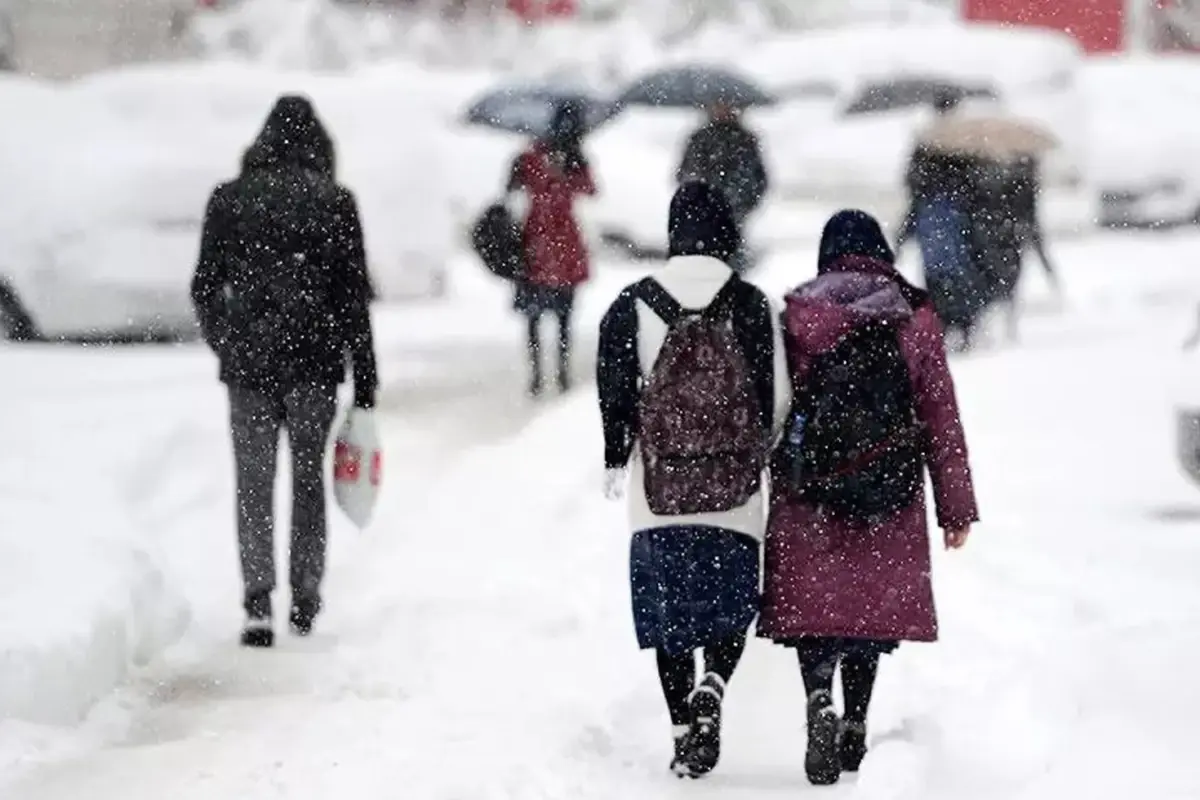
(555, 253)
(827, 577)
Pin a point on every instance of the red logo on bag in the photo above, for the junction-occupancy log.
(376, 468)
(346, 462)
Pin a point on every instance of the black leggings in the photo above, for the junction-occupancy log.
(678, 673)
(820, 658)
(564, 345)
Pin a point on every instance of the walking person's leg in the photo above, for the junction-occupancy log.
(533, 319)
(563, 312)
(310, 414)
(706, 702)
(724, 597)
(818, 662)
(859, 670)
(677, 675)
(255, 420)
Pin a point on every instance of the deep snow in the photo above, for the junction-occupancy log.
(478, 641)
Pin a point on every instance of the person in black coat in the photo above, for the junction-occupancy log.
(282, 294)
(1007, 223)
(727, 155)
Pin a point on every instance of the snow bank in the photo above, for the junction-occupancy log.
(84, 596)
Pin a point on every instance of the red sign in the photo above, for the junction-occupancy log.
(535, 10)
(1099, 25)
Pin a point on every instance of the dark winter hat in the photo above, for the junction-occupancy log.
(569, 121)
(702, 223)
(292, 134)
(946, 100)
(852, 233)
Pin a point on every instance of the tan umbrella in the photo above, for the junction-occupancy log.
(1002, 138)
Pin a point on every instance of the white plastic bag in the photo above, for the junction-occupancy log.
(357, 466)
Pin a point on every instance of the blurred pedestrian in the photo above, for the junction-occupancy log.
(847, 574)
(942, 188)
(725, 154)
(282, 295)
(692, 387)
(553, 172)
(1007, 224)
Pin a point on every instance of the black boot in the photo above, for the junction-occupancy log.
(681, 763)
(258, 630)
(822, 763)
(853, 745)
(303, 614)
(705, 735)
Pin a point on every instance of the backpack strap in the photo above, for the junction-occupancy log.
(653, 294)
(724, 301)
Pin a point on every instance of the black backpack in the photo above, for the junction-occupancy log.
(496, 239)
(854, 444)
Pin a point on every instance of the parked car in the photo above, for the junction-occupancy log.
(856, 152)
(1145, 139)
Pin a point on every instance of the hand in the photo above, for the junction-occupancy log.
(614, 483)
(955, 540)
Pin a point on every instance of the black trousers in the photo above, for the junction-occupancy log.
(256, 419)
(536, 302)
(677, 673)
(820, 658)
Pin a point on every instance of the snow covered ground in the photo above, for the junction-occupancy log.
(478, 643)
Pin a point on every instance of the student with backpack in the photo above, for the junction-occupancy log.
(847, 573)
(282, 293)
(693, 388)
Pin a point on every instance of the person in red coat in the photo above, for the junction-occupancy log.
(842, 592)
(553, 172)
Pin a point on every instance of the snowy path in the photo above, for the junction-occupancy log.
(478, 643)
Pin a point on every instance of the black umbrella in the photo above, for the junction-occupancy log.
(694, 87)
(529, 109)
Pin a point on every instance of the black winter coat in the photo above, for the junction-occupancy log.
(727, 156)
(281, 290)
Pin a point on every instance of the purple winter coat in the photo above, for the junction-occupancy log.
(827, 577)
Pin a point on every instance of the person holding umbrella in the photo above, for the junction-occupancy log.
(725, 154)
(943, 189)
(552, 172)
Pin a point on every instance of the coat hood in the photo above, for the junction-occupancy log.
(294, 136)
(856, 283)
(701, 223)
(821, 312)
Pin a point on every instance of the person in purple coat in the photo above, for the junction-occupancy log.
(843, 591)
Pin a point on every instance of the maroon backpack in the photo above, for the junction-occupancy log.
(700, 427)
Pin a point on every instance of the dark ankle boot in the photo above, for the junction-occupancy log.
(853, 745)
(822, 763)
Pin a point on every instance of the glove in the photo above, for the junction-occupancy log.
(614, 483)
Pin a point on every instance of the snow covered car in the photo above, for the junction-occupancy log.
(858, 154)
(106, 246)
(1145, 138)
